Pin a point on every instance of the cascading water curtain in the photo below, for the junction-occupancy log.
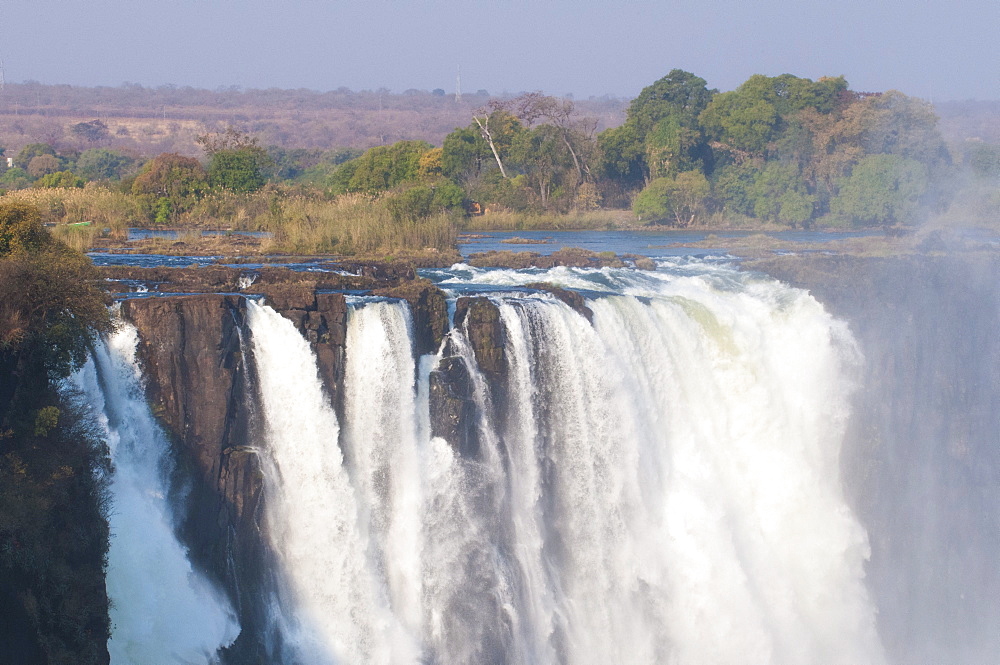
(162, 610)
(658, 486)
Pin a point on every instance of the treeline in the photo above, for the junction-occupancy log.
(784, 151)
(777, 152)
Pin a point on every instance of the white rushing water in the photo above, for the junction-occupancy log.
(335, 608)
(660, 486)
(162, 611)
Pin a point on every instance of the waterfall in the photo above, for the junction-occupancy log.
(335, 608)
(659, 486)
(162, 611)
(678, 461)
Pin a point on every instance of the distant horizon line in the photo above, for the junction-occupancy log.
(237, 88)
(234, 88)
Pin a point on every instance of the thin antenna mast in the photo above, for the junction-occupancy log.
(458, 85)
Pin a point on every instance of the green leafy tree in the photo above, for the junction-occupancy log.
(745, 121)
(779, 194)
(240, 170)
(170, 184)
(15, 178)
(235, 160)
(320, 174)
(676, 201)
(419, 201)
(882, 190)
(60, 179)
(679, 95)
(623, 155)
(465, 154)
(672, 148)
(499, 128)
(733, 188)
(541, 155)
(103, 164)
(31, 151)
(662, 135)
(380, 168)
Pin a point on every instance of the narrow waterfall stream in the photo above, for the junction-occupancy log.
(162, 610)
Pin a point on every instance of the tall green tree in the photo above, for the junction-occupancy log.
(465, 154)
(31, 151)
(744, 122)
(103, 164)
(882, 190)
(662, 135)
(541, 155)
(674, 201)
(380, 168)
(239, 170)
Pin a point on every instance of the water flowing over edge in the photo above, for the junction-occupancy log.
(662, 486)
(162, 610)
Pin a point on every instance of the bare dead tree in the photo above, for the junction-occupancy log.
(561, 113)
(482, 117)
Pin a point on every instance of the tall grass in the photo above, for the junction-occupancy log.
(570, 221)
(80, 238)
(239, 211)
(354, 224)
(103, 208)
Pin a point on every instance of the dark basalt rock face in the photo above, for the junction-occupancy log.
(453, 409)
(483, 327)
(322, 319)
(197, 383)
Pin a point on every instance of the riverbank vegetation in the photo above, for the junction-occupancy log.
(54, 468)
(776, 153)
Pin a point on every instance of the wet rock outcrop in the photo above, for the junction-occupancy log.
(574, 257)
(429, 308)
(198, 383)
(577, 302)
(453, 409)
(453, 406)
(322, 319)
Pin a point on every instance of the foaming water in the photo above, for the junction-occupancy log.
(333, 607)
(162, 610)
(660, 486)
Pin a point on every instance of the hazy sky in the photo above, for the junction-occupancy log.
(938, 49)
